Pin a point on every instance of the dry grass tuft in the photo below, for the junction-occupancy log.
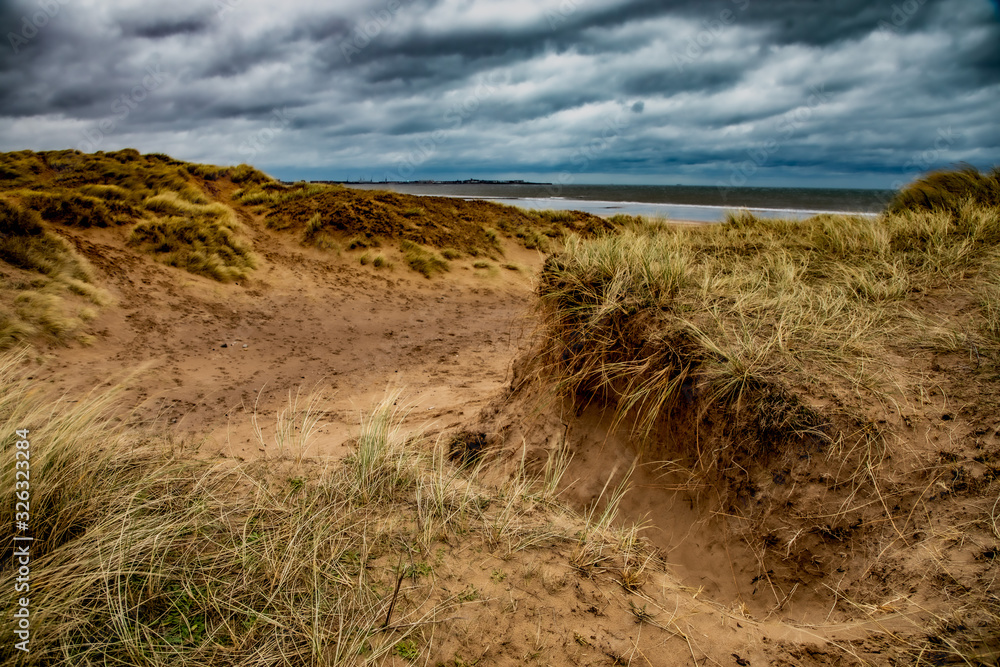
(423, 261)
(949, 190)
(152, 557)
(45, 271)
(739, 310)
(201, 239)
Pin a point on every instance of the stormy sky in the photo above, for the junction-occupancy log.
(854, 93)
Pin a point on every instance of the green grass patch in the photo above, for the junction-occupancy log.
(423, 261)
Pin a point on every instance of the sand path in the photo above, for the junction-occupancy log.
(204, 354)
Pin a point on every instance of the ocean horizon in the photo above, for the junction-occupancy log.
(676, 202)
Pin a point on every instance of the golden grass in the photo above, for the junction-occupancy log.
(756, 342)
(244, 173)
(45, 272)
(948, 190)
(173, 203)
(990, 301)
(209, 172)
(271, 193)
(379, 261)
(174, 218)
(203, 239)
(423, 260)
(74, 209)
(753, 301)
(146, 556)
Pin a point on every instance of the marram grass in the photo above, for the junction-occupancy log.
(754, 302)
(145, 556)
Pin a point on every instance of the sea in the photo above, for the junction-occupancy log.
(673, 202)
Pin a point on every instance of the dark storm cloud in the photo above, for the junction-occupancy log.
(144, 27)
(820, 23)
(633, 90)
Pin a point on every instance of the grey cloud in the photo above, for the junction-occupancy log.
(890, 81)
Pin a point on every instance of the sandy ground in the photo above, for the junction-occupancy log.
(198, 356)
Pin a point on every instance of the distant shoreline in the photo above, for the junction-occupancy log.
(469, 181)
(682, 203)
(834, 200)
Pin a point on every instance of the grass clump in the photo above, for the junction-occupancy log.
(990, 302)
(244, 173)
(209, 172)
(74, 209)
(153, 557)
(41, 274)
(754, 353)
(201, 239)
(752, 305)
(423, 261)
(948, 190)
(468, 228)
(362, 242)
(140, 175)
(381, 262)
(271, 193)
(26, 244)
(107, 192)
(173, 203)
(20, 168)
